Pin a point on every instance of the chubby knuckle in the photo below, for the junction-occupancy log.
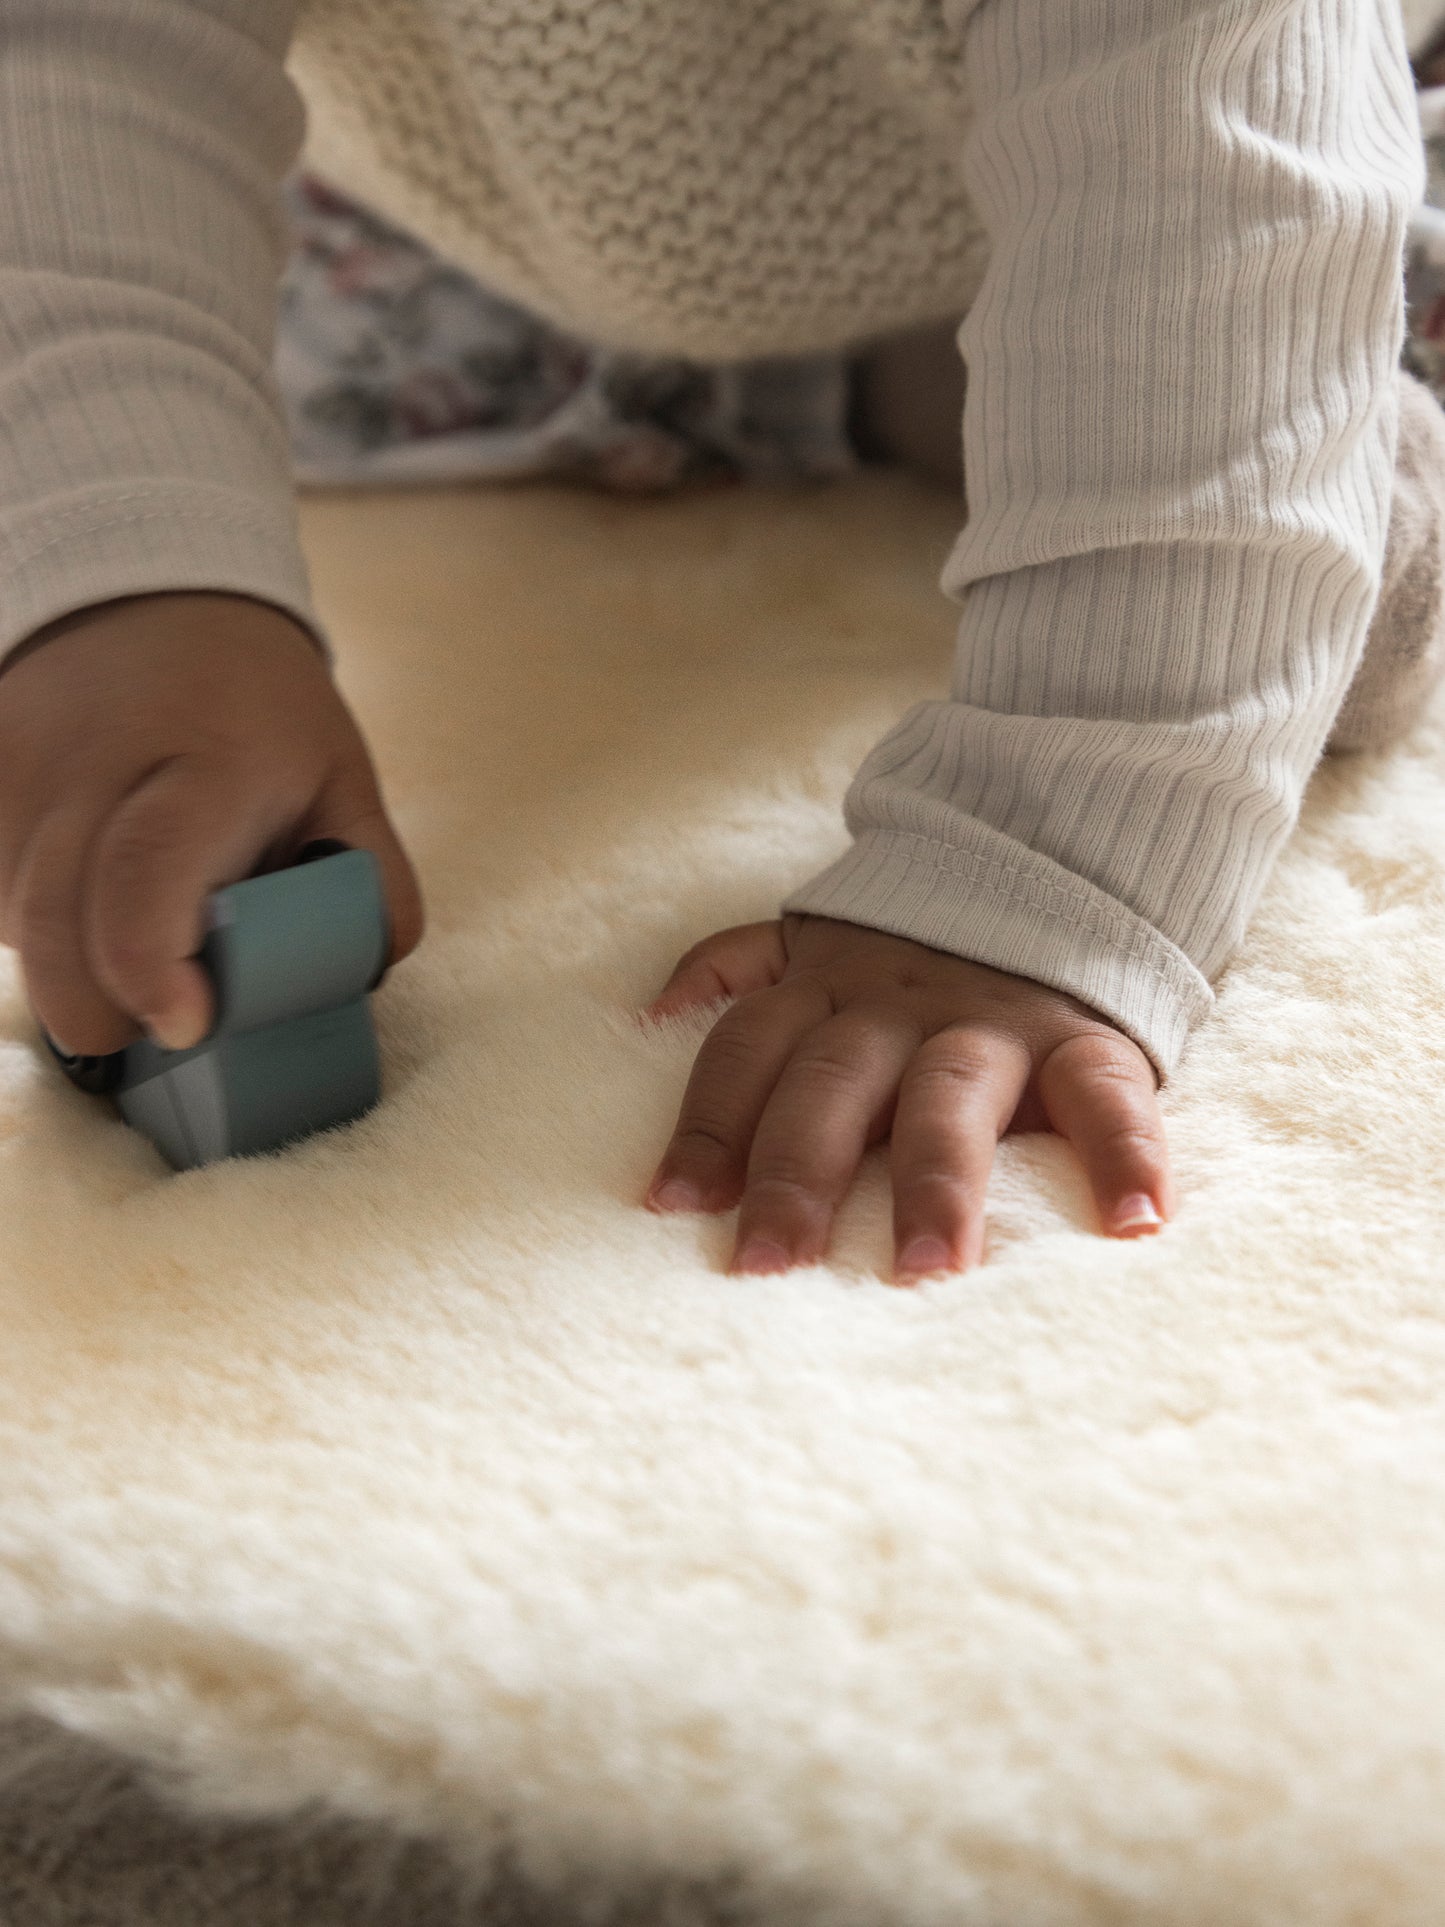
(956, 1061)
(1128, 1134)
(833, 1069)
(1098, 1055)
(705, 946)
(695, 953)
(786, 1182)
(817, 980)
(730, 1050)
(700, 1138)
(1115, 1089)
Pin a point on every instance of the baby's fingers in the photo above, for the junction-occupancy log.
(729, 963)
(1099, 1092)
(957, 1095)
(705, 1163)
(43, 921)
(841, 1079)
(184, 831)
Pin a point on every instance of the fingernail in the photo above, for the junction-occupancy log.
(762, 1255)
(1136, 1213)
(675, 1194)
(173, 1030)
(921, 1256)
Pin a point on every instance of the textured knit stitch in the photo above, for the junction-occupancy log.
(1176, 233)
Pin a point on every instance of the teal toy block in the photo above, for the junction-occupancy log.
(293, 956)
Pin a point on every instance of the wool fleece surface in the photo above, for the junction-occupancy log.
(417, 1479)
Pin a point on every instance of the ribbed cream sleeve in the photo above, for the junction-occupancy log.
(1178, 444)
(142, 441)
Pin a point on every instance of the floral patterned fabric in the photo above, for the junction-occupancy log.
(395, 366)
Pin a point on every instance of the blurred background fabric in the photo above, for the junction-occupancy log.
(396, 366)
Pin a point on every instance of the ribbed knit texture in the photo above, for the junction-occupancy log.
(1181, 419)
(142, 444)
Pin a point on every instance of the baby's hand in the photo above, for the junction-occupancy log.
(843, 1035)
(153, 749)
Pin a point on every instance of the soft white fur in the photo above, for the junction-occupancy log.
(422, 1473)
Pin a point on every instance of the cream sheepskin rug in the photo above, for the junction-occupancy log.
(417, 1481)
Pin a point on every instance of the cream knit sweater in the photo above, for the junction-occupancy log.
(1176, 227)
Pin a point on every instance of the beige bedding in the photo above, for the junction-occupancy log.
(418, 1472)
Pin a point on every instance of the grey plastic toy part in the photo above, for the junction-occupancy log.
(295, 941)
(235, 1096)
(292, 956)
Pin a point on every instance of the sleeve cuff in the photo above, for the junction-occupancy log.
(90, 546)
(1001, 904)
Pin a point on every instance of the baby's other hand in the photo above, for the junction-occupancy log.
(843, 1035)
(152, 750)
